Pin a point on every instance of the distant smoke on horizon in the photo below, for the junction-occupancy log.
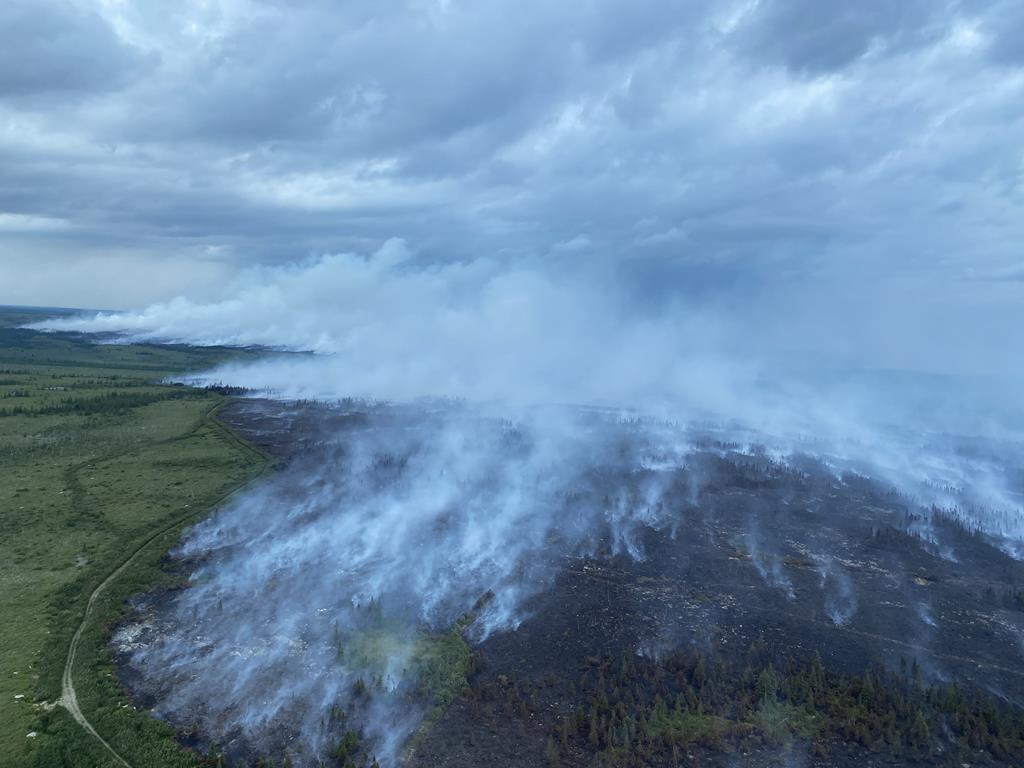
(384, 326)
(507, 475)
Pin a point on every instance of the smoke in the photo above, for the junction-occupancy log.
(766, 559)
(315, 599)
(840, 597)
(390, 327)
(326, 589)
(924, 612)
(384, 327)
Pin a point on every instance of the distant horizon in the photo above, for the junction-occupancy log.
(55, 309)
(791, 179)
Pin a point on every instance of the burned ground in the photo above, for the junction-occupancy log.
(787, 558)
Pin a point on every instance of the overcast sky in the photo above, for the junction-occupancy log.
(822, 169)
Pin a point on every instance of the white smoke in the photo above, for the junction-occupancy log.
(417, 520)
(331, 574)
(387, 326)
(840, 597)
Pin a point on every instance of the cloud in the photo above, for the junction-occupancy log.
(1006, 27)
(815, 38)
(778, 161)
(58, 47)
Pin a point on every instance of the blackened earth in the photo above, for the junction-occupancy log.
(793, 558)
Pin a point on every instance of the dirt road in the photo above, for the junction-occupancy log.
(68, 697)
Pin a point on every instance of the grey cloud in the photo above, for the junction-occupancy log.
(1006, 25)
(819, 37)
(689, 150)
(56, 47)
(380, 80)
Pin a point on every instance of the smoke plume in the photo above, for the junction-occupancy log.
(322, 598)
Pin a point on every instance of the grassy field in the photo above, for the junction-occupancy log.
(97, 460)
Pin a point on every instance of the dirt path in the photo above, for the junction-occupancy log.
(68, 697)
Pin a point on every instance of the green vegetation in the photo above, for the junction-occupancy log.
(98, 460)
(639, 712)
(437, 661)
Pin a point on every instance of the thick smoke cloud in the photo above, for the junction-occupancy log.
(389, 325)
(385, 327)
(321, 591)
(315, 599)
(332, 575)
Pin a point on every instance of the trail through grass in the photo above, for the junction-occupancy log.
(96, 456)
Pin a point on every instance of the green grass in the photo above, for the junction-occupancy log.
(96, 457)
(438, 661)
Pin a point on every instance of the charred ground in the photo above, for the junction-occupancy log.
(828, 618)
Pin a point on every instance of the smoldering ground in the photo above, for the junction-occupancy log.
(322, 601)
(323, 587)
(386, 326)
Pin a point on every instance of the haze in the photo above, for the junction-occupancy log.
(809, 185)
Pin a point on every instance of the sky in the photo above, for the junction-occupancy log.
(824, 179)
